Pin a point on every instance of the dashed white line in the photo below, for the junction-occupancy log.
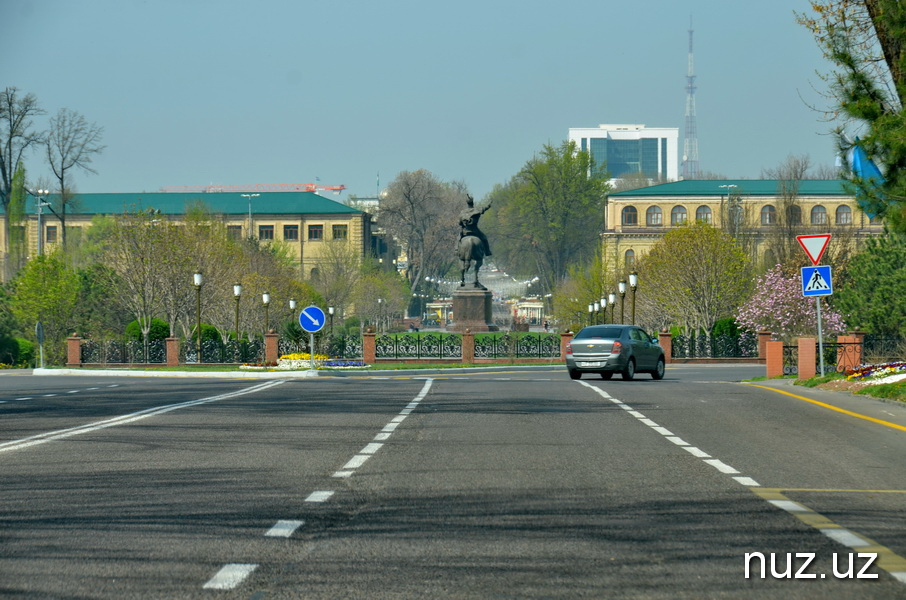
(73, 391)
(319, 496)
(371, 448)
(284, 528)
(381, 436)
(697, 453)
(49, 395)
(721, 466)
(663, 431)
(677, 441)
(845, 537)
(356, 461)
(230, 576)
(27, 398)
(747, 481)
(789, 505)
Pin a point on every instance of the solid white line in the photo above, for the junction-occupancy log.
(370, 448)
(230, 576)
(677, 441)
(747, 481)
(320, 496)
(721, 466)
(845, 537)
(356, 461)
(284, 528)
(696, 452)
(43, 438)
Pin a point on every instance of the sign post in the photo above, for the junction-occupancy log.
(816, 280)
(39, 335)
(312, 319)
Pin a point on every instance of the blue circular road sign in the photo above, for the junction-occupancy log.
(312, 319)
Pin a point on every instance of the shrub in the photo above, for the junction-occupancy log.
(160, 330)
(26, 352)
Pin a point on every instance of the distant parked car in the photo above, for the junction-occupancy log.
(609, 349)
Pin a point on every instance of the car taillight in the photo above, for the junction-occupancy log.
(569, 348)
(617, 348)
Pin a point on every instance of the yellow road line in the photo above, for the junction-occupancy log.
(831, 407)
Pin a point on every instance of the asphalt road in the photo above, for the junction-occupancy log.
(496, 483)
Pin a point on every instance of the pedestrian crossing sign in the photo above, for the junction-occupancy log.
(816, 281)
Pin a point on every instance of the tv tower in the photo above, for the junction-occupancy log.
(691, 169)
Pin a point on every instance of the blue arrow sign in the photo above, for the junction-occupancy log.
(312, 319)
(816, 281)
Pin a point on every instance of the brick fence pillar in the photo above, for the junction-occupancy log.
(270, 347)
(763, 338)
(665, 339)
(369, 350)
(565, 338)
(73, 351)
(468, 346)
(773, 355)
(808, 353)
(173, 352)
(858, 338)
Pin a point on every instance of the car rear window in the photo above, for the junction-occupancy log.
(600, 332)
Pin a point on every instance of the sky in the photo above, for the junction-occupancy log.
(199, 92)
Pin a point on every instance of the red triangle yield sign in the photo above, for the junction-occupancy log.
(814, 245)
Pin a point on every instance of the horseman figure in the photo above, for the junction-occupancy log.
(473, 244)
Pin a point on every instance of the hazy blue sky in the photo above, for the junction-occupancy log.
(192, 92)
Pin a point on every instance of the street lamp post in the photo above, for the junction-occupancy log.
(633, 285)
(330, 313)
(198, 280)
(604, 309)
(622, 287)
(237, 292)
(597, 310)
(380, 304)
(39, 201)
(250, 196)
(266, 300)
(591, 311)
(612, 299)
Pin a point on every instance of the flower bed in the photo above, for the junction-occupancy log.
(883, 373)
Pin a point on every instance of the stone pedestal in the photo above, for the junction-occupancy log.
(472, 311)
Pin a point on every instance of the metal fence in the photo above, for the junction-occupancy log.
(105, 352)
(518, 345)
(218, 352)
(745, 345)
(449, 345)
(418, 345)
(334, 346)
(878, 349)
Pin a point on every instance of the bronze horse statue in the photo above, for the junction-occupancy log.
(471, 255)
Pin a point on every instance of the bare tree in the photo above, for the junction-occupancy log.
(71, 143)
(16, 136)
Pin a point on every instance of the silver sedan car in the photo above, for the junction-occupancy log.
(609, 349)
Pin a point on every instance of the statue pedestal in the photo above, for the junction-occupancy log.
(472, 310)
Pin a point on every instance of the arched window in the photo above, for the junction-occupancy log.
(819, 215)
(703, 214)
(770, 258)
(678, 215)
(630, 216)
(768, 215)
(844, 215)
(315, 275)
(794, 215)
(630, 258)
(654, 217)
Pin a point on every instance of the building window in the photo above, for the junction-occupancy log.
(844, 215)
(678, 215)
(315, 233)
(291, 233)
(819, 215)
(794, 215)
(50, 234)
(630, 258)
(654, 217)
(234, 232)
(630, 216)
(265, 232)
(703, 214)
(768, 215)
(340, 232)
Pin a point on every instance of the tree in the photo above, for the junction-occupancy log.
(874, 295)
(550, 215)
(47, 291)
(71, 144)
(866, 41)
(420, 212)
(16, 136)
(340, 268)
(584, 285)
(694, 276)
(777, 305)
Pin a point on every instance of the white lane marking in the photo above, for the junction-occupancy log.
(677, 441)
(390, 427)
(398, 419)
(73, 391)
(900, 575)
(663, 430)
(92, 389)
(721, 466)
(406, 411)
(649, 422)
(319, 496)
(28, 398)
(114, 385)
(49, 395)
(381, 437)
(789, 505)
(637, 414)
(284, 528)
(747, 481)
(696, 452)
(356, 461)
(230, 576)
(845, 537)
(371, 448)
(50, 436)
(343, 474)
(2, 401)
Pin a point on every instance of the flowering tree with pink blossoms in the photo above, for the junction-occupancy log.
(778, 306)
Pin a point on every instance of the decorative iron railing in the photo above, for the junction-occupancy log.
(418, 345)
(217, 352)
(518, 345)
(120, 352)
(333, 346)
(745, 345)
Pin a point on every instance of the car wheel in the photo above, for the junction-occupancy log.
(575, 374)
(629, 371)
(658, 372)
(606, 374)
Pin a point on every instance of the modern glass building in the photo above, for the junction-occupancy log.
(620, 150)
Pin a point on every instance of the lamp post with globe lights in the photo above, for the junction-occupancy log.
(237, 293)
(633, 285)
(622, 287)
(266, 300)
(198, 280)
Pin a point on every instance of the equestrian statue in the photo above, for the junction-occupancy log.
(473, 244)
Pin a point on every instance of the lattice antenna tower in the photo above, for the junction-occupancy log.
(691, 169)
